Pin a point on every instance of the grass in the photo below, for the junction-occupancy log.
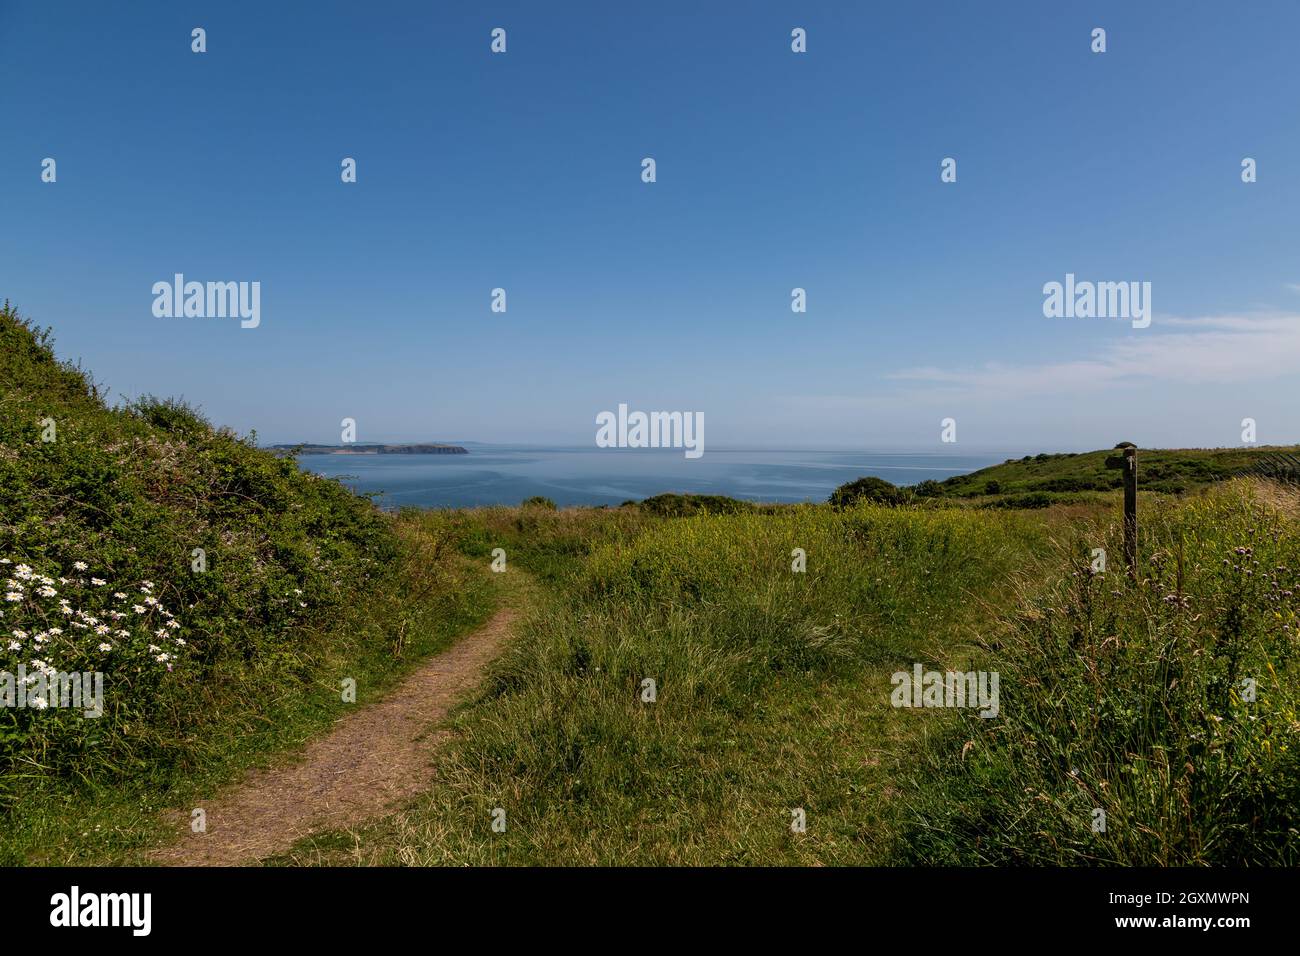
(772, 691)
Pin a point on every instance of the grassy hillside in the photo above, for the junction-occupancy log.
(1163, 470)
(215, 585)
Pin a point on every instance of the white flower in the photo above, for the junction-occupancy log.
(98, 582)
(119, 595)
(180, 641)
(154, 648)
(46, 591)
(66, 610)
(151, 601)
(79, 565)
(21, 635)
(105, 647)
(163, 658)
(15, 646)
(173, 623)
(56, 630)
(161, 632)
(102, 629)
(138, 608)
(37, 702)
(13, 597)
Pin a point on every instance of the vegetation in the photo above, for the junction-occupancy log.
(216, 586)
(1166, 471)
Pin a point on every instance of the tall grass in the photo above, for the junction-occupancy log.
(1132, 699)
(772, 691)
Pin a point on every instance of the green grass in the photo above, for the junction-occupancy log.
(772, 691)
(1130, 698)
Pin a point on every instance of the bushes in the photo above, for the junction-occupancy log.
(245, 551)
(872, 489)
(678, 506)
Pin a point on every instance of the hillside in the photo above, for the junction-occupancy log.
(1165, 470)
(212, 583)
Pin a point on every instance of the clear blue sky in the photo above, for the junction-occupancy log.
(775, 170)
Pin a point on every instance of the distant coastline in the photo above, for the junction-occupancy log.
(351, 449)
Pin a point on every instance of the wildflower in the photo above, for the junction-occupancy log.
(98, 582)
(13, 597)
(105, 647)
(21, 635)
(56, 631)
(46, 591)
(138, 608)
(79, 565)
(38, 702)
(154, 648)
(163, 658)
(151, 601)
(161, 632)
(102, 629)
(15, 646)
(119, 595)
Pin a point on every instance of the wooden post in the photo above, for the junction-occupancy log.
(1131, 510)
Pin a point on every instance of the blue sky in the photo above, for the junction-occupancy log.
(775, 170)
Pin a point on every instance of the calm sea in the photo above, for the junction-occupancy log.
(507, 474)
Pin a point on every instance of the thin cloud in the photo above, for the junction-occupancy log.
(1212, 350)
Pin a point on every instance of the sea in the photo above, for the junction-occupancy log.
(507, 474)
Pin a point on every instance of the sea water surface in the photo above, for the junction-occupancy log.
(507, 474)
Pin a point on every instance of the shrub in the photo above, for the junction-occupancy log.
(871, 489)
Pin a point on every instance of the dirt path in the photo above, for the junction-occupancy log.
(371, 759)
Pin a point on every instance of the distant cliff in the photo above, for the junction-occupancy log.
(418, 449)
